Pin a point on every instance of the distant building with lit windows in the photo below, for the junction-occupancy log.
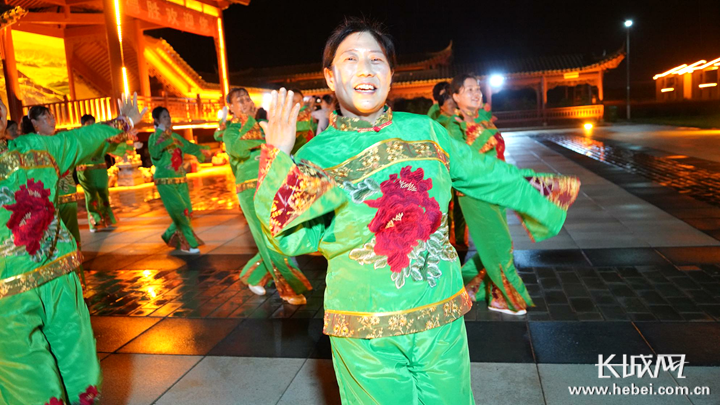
(696, 81)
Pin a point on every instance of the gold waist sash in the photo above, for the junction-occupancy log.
(370, 325)
(35, 278)
(246, 185)
(82, 168)
(68, 198)
(171, 180)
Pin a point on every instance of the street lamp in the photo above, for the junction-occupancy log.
(628, 24)
(497, 81)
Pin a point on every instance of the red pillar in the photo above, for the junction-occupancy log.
(12, 85)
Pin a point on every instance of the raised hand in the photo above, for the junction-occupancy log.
(128, 107)
(282, 120)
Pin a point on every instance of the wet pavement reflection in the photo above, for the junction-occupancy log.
(693, 177)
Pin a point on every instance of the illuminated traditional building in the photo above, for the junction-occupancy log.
(77, 56)
(415, 76)
(696, 81)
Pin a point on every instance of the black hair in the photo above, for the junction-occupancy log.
(352, 25)
(459, 81)
(35, 112)
(10, 123)
(85, 118)
(441, 93)
(233, 92)
(157, 112)
(328, 99)
(260, 114)
(296, 91)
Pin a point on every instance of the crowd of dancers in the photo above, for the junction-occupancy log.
(380, 194)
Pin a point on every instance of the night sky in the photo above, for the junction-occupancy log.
(288, 32)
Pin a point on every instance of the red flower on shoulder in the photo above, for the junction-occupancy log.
(406, 214)
(55, 401)
(31, 215)
(89, 396)
(177, 159)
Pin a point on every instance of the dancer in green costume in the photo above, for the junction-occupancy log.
(306, 126)
(371, 194)
(243, 137)
(167, 150)
(93, 177)
(443, 111)
(490, 274)
(47, 348)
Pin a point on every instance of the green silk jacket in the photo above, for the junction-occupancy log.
(373, 199)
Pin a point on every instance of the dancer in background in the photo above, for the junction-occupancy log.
(93, 178)
(243, 137)
(323, 114)
(492, 270)
(12, 130)
(306, 126)
(167, 151)
(371, 194)
(443, 111)
(47, 347)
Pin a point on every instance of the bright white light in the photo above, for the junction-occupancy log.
(588, 126)
(628, 23)
(496, 80)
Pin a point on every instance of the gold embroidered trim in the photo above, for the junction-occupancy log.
(10, 161)
(35, 278)
(81, 168)
(170, 180)
(246, 185)
(356, 124)
(370, 325)
(68, 198)
(384, 154)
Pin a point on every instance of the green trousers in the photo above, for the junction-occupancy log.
(97, 196)
(430, 367)
(268, 264)
(176, 199)
(69, 217)
(47, 348)
(488, 227)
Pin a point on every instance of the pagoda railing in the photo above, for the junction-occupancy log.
(184, 111)
(588, 112)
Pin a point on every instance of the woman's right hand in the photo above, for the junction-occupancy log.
(128, 107)
(282, 121)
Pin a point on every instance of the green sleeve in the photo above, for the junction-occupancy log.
(294, 219)
(158, 143)
(455, 130)
(434, 111)
(233, 135)
(541, 201)
(218, 135)
(71, 148)
(191, 148)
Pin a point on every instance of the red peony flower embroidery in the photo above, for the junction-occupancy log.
(31, 215)
(406, 214)
(177, 159)
(89, 396)
(55, 401)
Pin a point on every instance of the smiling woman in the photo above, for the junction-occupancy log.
(371, 194)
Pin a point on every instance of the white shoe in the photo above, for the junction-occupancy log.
(507, 311)
(257, 289)
(93, 230)
(191, 250)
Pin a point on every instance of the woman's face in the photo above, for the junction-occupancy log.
(242, 104)
(45, 124)
(360, 75)
(470, 95)
(165, 120)
(448, 107)
(11, 132)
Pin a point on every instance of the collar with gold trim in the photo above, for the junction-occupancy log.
(356, 124)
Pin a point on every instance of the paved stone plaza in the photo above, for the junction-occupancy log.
(635, 270)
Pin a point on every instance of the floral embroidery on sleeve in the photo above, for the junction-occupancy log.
(176, 159)
(33, 222)
(410, 230)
